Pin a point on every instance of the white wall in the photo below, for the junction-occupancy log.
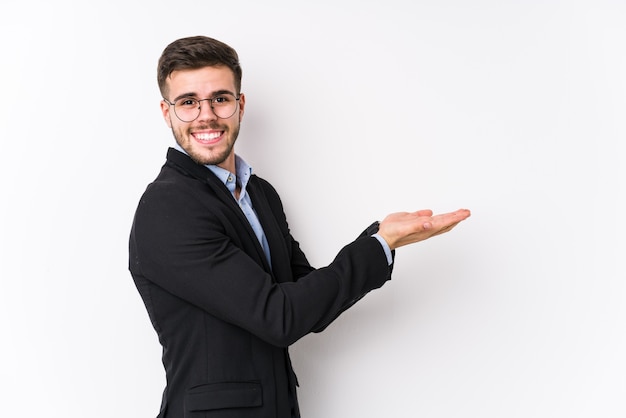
(514, 109)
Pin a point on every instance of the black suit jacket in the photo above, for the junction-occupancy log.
(222, 315)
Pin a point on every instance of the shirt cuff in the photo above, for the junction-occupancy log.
(385, 248)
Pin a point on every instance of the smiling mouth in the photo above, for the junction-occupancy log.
(208, 136)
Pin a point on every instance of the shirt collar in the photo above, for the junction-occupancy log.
(242, 176)
(230, 180)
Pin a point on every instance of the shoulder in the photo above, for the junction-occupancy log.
(263, 184)
(172, 181)
(264, 187)
(174, 192)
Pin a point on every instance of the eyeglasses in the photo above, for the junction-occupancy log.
(188, 109)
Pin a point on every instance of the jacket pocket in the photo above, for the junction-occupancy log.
(223, 395)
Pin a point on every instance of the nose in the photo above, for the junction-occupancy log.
(206, 110)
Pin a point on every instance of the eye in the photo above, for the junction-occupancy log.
(187, 103)
(223, 99)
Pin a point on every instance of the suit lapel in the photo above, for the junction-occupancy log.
(281, 267)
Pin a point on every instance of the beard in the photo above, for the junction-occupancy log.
(202, 155)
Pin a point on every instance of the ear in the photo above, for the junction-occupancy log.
(165, 110)
(242, 105)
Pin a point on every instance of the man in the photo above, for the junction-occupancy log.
(226, 286)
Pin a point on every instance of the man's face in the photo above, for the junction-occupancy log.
(208, 139)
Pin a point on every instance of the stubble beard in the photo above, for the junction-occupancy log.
(184, 140)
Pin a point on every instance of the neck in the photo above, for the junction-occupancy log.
(229, 163)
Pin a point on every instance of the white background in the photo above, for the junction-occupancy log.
(355, 109)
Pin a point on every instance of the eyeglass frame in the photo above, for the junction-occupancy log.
(210, 100)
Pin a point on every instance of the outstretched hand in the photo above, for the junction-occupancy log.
(403, 228)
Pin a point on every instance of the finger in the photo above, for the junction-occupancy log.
(442, 221)
(443, 230)
(456, 216)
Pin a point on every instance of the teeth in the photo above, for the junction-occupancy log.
(207, 137)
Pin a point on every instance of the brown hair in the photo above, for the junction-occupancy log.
(196, 52)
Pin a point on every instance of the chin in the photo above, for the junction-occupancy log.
(209, 158)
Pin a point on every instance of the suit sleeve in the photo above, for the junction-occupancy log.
(180, 245)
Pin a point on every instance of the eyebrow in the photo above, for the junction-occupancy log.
(194, 95)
